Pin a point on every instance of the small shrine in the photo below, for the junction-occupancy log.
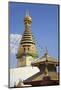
(48, 74)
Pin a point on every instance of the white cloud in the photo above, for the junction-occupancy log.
(14, 42)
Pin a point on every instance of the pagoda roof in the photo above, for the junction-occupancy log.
(54, 76)
(45, 58)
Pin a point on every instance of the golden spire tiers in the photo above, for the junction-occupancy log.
(27, 49)
(27, 36)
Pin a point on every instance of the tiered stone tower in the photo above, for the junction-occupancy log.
(27, 50)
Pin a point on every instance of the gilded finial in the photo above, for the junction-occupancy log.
(27, 19)
(46, 53)
(46, 50)
(27, 13)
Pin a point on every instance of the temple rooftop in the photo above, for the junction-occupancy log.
(45, 58)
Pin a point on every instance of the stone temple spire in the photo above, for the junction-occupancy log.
(27, 49)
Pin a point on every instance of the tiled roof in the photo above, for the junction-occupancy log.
(39, 77)
(41, 60)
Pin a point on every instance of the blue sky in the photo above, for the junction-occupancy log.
(44, 26)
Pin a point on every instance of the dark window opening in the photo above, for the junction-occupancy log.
(28, 49)
(24, 49)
